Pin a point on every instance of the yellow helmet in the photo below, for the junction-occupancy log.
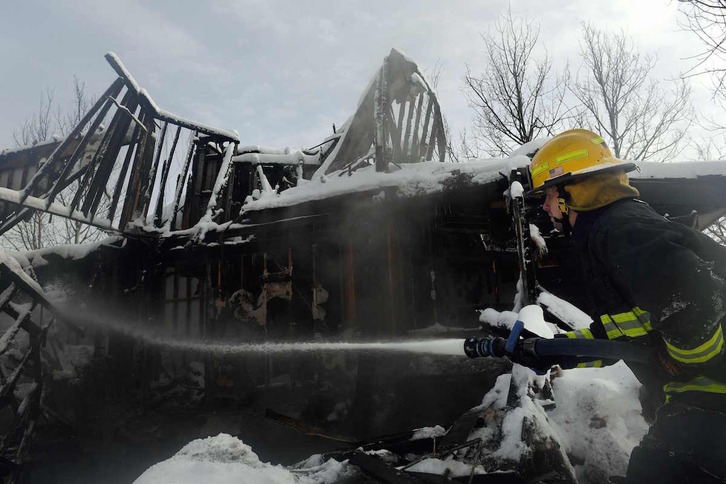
(572, 155)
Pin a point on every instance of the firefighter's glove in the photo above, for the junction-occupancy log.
(525, 355)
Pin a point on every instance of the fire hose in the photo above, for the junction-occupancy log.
(532, 348)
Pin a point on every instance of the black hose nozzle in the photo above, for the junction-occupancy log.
(482, 347)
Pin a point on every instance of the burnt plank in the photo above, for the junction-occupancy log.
(66, 142)
(459, 432)
(113, 91)
(164, 177)
(124, 170)
(381, 471)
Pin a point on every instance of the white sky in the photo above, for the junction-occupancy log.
(281, 72)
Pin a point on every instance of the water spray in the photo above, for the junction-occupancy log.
(498, 347)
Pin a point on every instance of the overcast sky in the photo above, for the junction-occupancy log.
(281, 72)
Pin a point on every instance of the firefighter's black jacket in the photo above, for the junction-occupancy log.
(658, 283)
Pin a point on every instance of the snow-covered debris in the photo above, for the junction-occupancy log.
(428, 433)
(533, 319)
(496, 398)
(565, 311)
(224, 459)
(516, 190)
(38, 258)
(515, 432)
(530, 148)
(412, 179)
(267, 156)
(502, 319)
(598, 417)
(536, 236)
(531, 316)
(454, 468)
(12, 263)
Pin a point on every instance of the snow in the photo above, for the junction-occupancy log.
(221, 181)
(11, 151)
(410, 180)
(537, 238)
(12, 263)
(693, 169)
(533, 319)
(37, 258)
(502, 319)
(598, 417)
(438, 466)
(496, 398)
(224, 459)
(516, 190)
(55, 208)
(565, 311)
(596, 421)
(529, 148)
(428, 433)
(511, 446)
(531, 316)
(269, 156)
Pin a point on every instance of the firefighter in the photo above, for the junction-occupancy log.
(652, 282)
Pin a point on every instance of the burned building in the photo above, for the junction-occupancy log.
(371, 234)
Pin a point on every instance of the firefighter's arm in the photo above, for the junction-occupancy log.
(593, 332)
(657, 264)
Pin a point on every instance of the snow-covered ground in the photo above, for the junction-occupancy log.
(595, 420)
(224, 459)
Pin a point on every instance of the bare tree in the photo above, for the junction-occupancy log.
(517, 97)
(39, 126)
(622, 101)
(707, 19)
(47, 121)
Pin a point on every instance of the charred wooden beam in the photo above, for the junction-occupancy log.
(164, 177)
(414, 148)
(423, 147)
(137, 206)
(162, 114)
(66, 143)
(108, 160)
(121, 181)
(105, 104)
(135, 176)
(180, 182)
(87, 184)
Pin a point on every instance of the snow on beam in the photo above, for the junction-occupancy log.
(35, 203)
(163, 114)
(221, 182)
(294, 157)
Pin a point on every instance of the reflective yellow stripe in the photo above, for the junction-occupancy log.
(701, 353)
(580, 333)
(612, 331)
(597, 140)
(633, 323)
(590, 364)
(573, 155)
(698, 384)
(539, 169)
